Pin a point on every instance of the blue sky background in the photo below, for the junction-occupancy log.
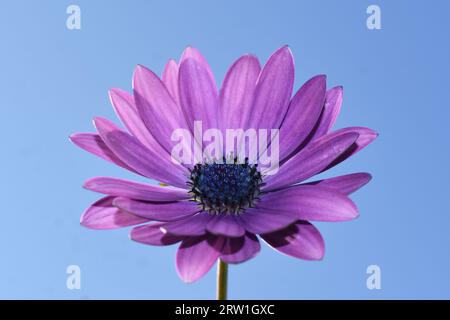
(53, 81)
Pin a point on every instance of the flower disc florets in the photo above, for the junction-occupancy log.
(224, 187)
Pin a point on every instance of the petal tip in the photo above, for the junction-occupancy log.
(133, 234)
(285, 47)
(73, 137)
(284, 50)
(84, 221)
(103, 125)
(171, 62)
(185, 278)
(139, 70)
(86, 185)
(113, 93)
(368, 176)
(321, 76)
(97, 121)
(140, 67)
(319, 81)
(355, 213)
(319, 254)
(191, 52)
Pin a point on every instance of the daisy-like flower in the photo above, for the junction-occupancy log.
(215, 209)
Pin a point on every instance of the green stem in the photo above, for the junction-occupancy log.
(222, 279)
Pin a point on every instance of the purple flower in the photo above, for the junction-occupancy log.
(216, 209)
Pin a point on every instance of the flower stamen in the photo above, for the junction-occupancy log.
(225, 188)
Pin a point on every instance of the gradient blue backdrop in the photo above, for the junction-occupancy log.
(53, 81)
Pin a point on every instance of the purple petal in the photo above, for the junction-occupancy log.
(151, 234)
(121, 99)
(258, 220)
(160, 211)
(125, 109)
(196, 256)
(93, 143)
(198, 94)
(101, 215)
(170, 79)
(155, 166)
(225, 225)
(302, 115)
(365, 137)
(135, 190)
(314, 158)
(191, 226)
(273, 91)
(207, 79)
(314, 203)
(193, 53)
(236, 94)
(238, 250)
(301, 240)
(346, 184)
(159, 112)
(331, 109)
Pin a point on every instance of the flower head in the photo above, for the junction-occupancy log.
(218, 200)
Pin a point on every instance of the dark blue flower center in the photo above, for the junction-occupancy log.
(222, 188)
